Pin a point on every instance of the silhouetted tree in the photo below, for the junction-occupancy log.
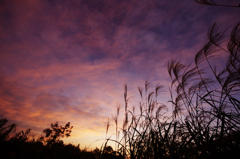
(55, 133)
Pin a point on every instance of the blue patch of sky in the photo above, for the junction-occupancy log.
(96, 55)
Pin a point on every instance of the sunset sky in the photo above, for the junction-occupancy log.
(67, 60)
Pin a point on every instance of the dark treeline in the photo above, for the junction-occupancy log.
(205, 120)
(24, 145)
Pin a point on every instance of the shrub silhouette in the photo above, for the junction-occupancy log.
(55, 133)
(24, 145)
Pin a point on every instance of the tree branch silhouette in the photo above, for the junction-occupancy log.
(211, 2)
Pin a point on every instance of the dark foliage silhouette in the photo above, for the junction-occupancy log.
(55, 133)
(205, 120)
(24, 145)
(5, 129)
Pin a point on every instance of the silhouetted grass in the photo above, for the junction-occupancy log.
(205, 120)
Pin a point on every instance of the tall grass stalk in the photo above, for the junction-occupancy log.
(205, 120)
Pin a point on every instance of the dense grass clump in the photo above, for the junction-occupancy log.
(205, 120)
